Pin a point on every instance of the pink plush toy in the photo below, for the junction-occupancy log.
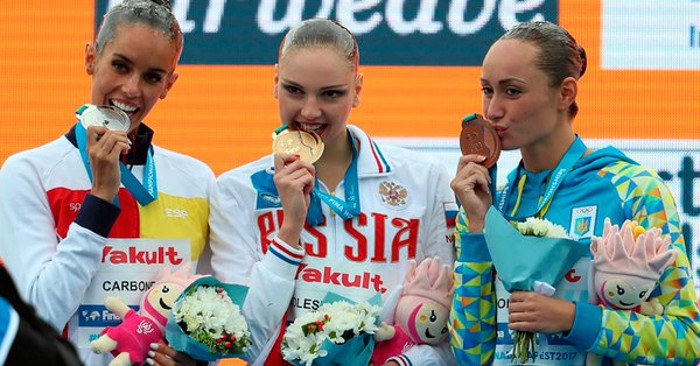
(130, 341)
(627, 263)
(421, 312)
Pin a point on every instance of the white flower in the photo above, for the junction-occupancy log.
(211, 318)
(338, 322)
(542, 228)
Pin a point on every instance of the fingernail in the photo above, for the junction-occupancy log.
(154, 346)
(482, 158)
(151, 354)
(150, 361)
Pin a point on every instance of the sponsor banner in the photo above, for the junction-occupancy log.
(676, 161)
(390, 32)
(651, 35)
(129, 268)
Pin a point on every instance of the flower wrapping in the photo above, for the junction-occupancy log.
(337, 333)
(206, 322)
(548, 259)
(529, 256)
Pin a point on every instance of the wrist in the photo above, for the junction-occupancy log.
(104, 194)
(290, 235)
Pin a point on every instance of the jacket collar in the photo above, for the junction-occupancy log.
(137, 155)
(371, 160)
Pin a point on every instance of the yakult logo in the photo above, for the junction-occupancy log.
(390, 32)
(133, 255)
(328, 276)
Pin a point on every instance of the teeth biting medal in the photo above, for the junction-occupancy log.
(308, 145)
(107, 116)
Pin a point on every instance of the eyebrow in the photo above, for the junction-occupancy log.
(339, 86)
(128, 60)
(506, 81)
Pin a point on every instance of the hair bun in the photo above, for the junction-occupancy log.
(584, 60)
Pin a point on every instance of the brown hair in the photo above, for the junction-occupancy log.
(156, 14)
(559, 56)
(322, 32)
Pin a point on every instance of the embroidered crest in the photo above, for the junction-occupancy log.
(393, 194)
(582, 222)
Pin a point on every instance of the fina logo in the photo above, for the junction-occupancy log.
(390, 32)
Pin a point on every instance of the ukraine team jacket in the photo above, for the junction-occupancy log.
(406, 212)
(604, 184)
(53, 233)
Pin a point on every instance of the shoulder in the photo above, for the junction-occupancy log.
(402, 159)
(184, 164)
(42, 159)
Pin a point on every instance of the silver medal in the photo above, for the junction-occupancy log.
(106, 116)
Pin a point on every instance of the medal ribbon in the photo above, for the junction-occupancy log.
(143, 193)
(575, 152)
(345, 209)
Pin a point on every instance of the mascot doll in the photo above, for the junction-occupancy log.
(421, 311)
(627, 263)
(129, 342)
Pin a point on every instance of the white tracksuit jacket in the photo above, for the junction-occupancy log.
(407, 211)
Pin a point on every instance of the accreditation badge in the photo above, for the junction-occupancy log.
(127, 270)
(550, 349)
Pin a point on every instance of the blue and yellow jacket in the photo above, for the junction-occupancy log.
(604, 184)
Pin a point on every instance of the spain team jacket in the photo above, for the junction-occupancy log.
(53, 233)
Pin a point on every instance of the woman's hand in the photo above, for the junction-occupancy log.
(532, 312)
(104, 148)
(471, 185)
(163, 355)
(294, 180)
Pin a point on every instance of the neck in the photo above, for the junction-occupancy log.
(546, 154)
(336, 158)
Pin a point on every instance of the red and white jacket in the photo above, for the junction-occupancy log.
(406, 204)
(53, 232)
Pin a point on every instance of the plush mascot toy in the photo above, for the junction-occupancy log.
(421, 311)
(627, 263)
(129, 342)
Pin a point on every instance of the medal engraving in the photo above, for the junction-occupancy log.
(478, 137)
(106, 116)
(307, 145)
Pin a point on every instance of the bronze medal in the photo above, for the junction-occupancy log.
(307, 145)
(478, 137)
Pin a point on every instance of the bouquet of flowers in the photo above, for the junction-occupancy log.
(207, 323)
(539, 241)
(335, 331)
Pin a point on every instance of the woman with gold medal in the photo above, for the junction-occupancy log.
(330, 211)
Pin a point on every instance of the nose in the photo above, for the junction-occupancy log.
(311, 109)
(493, 109)
(131, 86)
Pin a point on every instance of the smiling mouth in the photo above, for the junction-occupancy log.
(626, 304)
(428, 335)
(164, 305)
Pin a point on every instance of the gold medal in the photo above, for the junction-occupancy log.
(307, 145)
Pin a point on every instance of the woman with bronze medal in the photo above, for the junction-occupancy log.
(86, 216)
(330, 211)
(530, 78)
